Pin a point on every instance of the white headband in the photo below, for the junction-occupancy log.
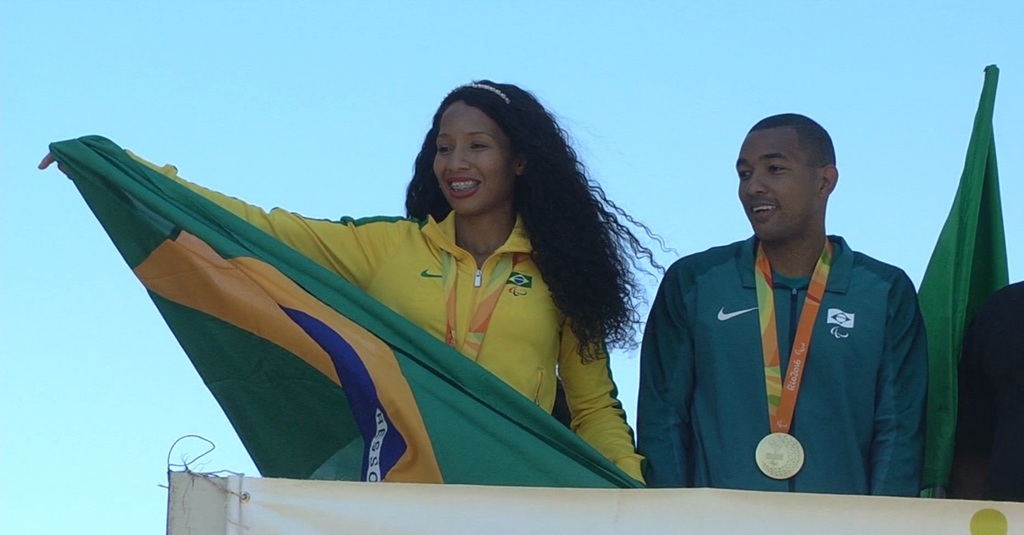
(486, 87)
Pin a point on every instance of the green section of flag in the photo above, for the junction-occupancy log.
(966, 267)
(249, 376)
(294, 421)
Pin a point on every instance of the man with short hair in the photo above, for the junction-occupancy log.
(788, 361)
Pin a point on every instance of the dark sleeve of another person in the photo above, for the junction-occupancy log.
(990, 423)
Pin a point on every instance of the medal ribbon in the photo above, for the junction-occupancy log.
(483, 309)
(782, 401)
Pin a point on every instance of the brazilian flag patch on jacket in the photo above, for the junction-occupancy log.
(520, 280)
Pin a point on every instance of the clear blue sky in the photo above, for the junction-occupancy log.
(320, 107)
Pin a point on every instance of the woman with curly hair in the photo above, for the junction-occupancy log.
(580, 246)
(509, 254)
(497, 172)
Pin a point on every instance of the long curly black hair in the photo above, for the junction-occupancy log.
(580, 244)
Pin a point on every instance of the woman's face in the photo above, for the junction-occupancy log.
(474, 163)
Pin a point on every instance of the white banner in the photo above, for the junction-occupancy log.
(263, 506)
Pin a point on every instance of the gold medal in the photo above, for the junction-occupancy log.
(779, 455)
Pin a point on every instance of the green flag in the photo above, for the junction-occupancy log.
(319, 380)
(966, 267)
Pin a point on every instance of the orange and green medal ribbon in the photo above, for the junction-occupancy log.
(782, 400)
(488, 296)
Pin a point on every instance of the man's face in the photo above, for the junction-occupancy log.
(782, 192)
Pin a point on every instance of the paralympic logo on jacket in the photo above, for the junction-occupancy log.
(842, 320)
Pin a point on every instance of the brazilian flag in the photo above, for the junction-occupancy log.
(967, 266)
(319, 380)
